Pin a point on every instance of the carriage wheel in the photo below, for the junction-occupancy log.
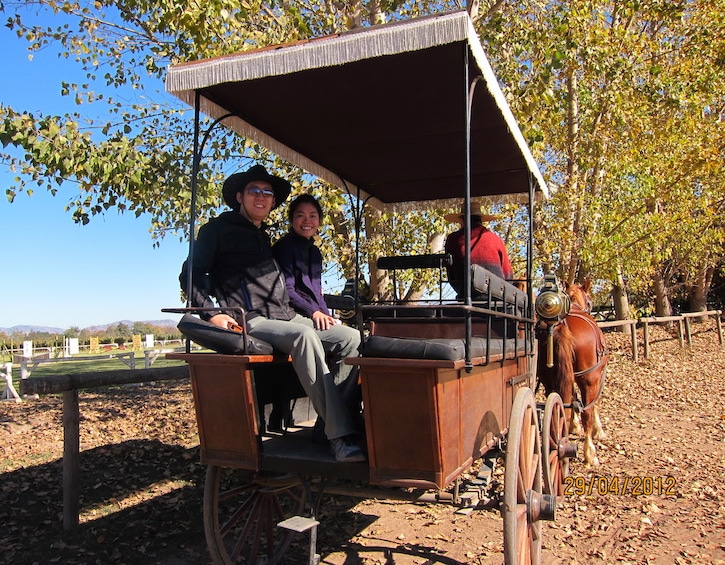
(522, 483)
(241, 513)
(555, 446)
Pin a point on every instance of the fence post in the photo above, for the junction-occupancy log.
(719, 325)
(680, 332)
(71, 459)
(9, 393)
(646, 339)
(688, 330)
(635, 347)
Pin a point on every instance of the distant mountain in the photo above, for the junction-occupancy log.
(28, 329)
(130, 323)
(23, 329)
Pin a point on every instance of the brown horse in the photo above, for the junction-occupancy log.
(580, 356)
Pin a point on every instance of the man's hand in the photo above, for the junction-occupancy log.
(225, 321)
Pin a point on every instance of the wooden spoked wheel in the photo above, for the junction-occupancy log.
(554, 443)
(241, 513)
(522, 483)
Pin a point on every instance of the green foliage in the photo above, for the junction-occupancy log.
(621, 103)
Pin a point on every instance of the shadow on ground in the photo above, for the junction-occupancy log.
(140, 503)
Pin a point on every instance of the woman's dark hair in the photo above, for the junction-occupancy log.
(303, 199)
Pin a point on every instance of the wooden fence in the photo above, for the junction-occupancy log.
(682, 320)
(69, 385)
(684, 324)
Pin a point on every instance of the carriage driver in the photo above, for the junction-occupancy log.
(487, 249)
(233, 253)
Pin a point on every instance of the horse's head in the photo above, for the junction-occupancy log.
(579, 294)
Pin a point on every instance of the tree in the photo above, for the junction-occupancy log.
(73, 331)
(622, 94)
(621, 101)
(143, 328)
(137, 158)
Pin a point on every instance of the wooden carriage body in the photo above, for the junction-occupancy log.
(426, 420)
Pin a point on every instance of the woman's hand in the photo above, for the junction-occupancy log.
(323, 321)
(225, 321)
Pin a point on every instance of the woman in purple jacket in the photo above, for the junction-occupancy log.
(300, 261)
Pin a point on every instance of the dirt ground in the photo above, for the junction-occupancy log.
(141, 481)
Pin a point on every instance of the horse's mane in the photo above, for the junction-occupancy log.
(564, 344)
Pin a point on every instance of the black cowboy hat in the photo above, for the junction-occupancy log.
(238, 182)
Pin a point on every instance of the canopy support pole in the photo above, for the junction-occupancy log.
(530, 264)
(468, 91)
(198, 149)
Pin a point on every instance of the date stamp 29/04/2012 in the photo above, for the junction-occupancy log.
(625, 485)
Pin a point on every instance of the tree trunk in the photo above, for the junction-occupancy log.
(346, 251)
(620, 300)
(377, 15)
(380, 283)
(573, 173)
(436, 242)
(698, 298)
(663, 307)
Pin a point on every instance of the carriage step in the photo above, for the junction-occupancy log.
(476, 491)
(301, 524)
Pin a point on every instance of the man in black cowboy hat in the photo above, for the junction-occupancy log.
(233, 263)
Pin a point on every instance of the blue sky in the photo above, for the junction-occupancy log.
(54, 272)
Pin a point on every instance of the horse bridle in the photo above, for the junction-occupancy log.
(552, 306)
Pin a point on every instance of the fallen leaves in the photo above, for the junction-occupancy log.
(142, 481)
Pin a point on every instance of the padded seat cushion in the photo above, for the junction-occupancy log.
(421, 348)
(221, 340)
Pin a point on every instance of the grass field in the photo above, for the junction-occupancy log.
(66, 366)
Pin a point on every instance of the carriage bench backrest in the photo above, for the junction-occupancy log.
(453, 349)
(426, 261)
(492, 288)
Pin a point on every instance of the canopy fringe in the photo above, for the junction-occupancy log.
(379, 41)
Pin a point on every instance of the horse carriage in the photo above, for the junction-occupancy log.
(404, 114)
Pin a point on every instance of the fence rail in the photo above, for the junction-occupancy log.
(684, 334)
(28, 365)
(632, 332)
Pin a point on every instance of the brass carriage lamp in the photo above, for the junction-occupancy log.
(552, 306)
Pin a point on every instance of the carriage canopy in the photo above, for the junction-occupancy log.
(381, 110)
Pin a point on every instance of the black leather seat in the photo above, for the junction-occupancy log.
(423, 348)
